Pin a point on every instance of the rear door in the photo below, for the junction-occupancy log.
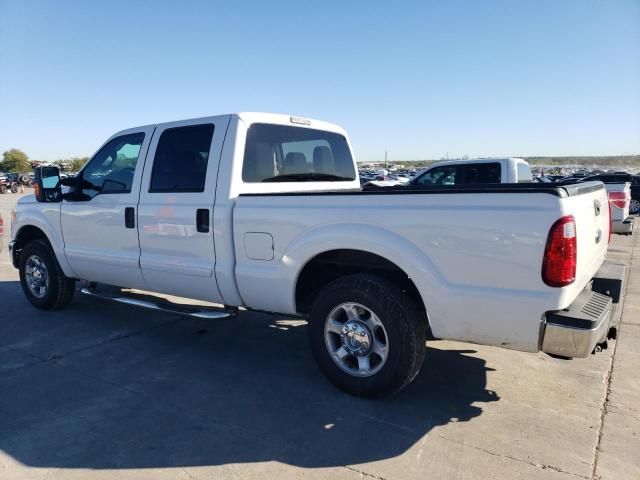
(175, 220)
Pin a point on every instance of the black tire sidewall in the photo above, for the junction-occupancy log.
(44, 252)
(401, 323)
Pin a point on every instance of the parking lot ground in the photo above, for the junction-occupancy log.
(106, 391)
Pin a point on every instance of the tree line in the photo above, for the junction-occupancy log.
(16, 161)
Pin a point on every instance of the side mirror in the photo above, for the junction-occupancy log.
(47, 184)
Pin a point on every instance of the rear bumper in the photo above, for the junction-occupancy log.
(569, 334)
(576, 330)
(623, 226)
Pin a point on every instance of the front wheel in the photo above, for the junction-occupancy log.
(42, 280)
(367, 336)
(3, 189)
(14, 188)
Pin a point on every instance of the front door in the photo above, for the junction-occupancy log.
(98, 217)
(175, 213)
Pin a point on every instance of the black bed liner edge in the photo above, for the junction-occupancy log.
(562, 190)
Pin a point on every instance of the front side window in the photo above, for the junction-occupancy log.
(282, 153)
(112, 169)
(445, 175)
(182, 155)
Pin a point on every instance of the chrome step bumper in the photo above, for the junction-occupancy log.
(576, 330)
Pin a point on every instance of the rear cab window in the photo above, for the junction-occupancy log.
(282, 153)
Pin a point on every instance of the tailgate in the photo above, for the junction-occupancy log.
(589, 205)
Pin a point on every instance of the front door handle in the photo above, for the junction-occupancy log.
(130, 217)
(202, 220)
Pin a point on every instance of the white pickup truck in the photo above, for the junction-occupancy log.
(475, 171)
(265, 212)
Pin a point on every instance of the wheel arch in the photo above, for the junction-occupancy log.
(330, 265)
(29, 232)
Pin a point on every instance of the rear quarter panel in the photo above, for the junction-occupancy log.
(475, 258)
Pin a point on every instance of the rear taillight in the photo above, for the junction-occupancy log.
(560, 254)
(1, 226)
(618, 199)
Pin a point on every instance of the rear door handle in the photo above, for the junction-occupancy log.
(130, 217)
(202, 220)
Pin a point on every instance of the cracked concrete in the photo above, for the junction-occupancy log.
(109, 391)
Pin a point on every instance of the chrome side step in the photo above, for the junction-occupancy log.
(163, 306)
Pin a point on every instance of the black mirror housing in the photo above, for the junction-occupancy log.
(47, 184)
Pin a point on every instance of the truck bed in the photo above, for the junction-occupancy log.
(474, 252)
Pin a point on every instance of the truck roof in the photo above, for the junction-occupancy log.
(257, 117)
(478, 160)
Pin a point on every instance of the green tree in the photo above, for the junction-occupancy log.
(15, 160)
(76, 163)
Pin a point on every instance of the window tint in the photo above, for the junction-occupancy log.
(524, 173)
(180, 163)
(281, 153)
(475, 173)
(444, 175)
(111, 170)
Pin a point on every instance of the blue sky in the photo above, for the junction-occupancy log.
(419, 79)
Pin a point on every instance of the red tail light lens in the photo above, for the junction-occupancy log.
(618, 199)
(560, 254)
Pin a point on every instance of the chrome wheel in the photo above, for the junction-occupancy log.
(37, 276)
(356, 339)
(634, 206)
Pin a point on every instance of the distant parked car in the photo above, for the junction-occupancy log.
(634, 205)
(7, 185)
(618, 187)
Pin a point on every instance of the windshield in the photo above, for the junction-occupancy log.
(282, 153)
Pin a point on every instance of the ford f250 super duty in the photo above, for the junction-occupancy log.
(265, 212)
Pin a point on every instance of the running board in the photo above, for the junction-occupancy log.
(162, 306)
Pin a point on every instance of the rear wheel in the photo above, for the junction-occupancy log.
(367, 336)
(14, 188)
(634, 206)
(42, 280)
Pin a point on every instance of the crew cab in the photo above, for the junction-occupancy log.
(480, 170)
(265, 212)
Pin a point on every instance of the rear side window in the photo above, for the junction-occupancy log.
(280, 153)
(524, 173)
(474, 173)
(182, 155)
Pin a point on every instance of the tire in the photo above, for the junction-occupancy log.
(24, 179)
(57, 290)
(634, 206)
(14, 188)
(388, 314)
(3, 189)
